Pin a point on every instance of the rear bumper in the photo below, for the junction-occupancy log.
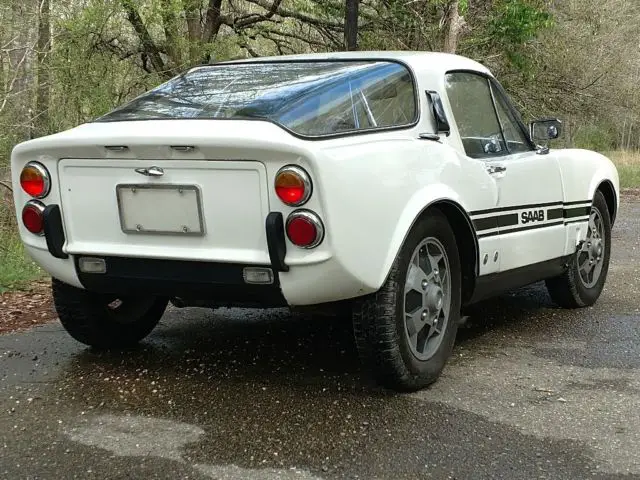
(213, 282)
(199, 282)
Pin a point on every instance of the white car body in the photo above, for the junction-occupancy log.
(368, 188)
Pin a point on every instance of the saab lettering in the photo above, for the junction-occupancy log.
(532, 216)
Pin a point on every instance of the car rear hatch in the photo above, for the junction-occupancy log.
(167, 209)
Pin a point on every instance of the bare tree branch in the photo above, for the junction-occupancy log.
(16, 76)
(276, 32)
(299, 15)
(6, 185)
(143, 34)
(256, 18)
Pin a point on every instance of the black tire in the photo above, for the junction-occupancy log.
(379, 319)
(568, 290)
(89, 318)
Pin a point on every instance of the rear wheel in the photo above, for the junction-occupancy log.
(406, 331)
(106, 321)
(582, 283)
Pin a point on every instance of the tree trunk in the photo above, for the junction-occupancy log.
(453, 25)
(41, 121)
(194, 30)
(351, 24)
(18, 96)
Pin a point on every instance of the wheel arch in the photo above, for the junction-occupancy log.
(464, 233)
(610, 196)
(466, 239)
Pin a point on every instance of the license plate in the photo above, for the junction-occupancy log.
(160, 209)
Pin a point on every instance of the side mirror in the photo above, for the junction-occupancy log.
(547, 129)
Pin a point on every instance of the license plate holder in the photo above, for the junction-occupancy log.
(160, 209)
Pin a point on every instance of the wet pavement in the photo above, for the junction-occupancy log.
(532, 391)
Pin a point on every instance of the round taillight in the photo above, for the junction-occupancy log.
(35, 180)
(33, 217)
(293, 185)
(305, 229)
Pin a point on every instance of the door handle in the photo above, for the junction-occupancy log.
(496, 169)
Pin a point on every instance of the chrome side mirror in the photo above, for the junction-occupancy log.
(544, 130)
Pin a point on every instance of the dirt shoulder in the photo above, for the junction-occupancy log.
(21, 310)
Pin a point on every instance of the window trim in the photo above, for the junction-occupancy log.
(514, 113)
(493, 83)
(495, 111)
(328, 136)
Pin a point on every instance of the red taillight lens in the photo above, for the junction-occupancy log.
(293, 185)
(305, 229)
(35, 180)
(32, 217)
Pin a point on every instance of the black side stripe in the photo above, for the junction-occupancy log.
(532, 205)
(516, 207)
(496, 222)
(522, 229)
(564, 213)
(577, 212)
(554, 213)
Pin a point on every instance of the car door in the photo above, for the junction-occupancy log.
(528, 215)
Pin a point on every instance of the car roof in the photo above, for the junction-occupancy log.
(425, 62)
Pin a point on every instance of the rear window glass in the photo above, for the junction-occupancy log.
(308, 98)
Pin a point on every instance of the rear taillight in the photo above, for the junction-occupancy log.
(293, 185)
(35, 180)
(33, 217)
(305, 229)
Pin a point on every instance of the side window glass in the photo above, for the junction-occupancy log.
(516, 140)
(381, 96)
(475, 115)
(389, 102)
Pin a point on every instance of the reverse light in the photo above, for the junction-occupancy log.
(92, 265)
(293, 185)
(35, 180)
(305, 229)
(257, 275)
(33, 217)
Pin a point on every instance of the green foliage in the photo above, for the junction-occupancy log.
(594, 137)
(629, 176)
(513, 24)
(17, 270)
(90, 75)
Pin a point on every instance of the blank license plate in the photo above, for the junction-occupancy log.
(160, 209)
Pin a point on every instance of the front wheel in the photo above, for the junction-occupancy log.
(406, 331)
(105, 321)
(582, 283)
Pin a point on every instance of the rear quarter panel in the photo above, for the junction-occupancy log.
(373, 189)
(36, 246)
(583, 171)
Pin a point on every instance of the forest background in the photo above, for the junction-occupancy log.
(63, 62)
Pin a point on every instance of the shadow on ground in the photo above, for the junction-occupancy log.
(275, 347)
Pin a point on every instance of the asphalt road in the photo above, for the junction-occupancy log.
(532, 392)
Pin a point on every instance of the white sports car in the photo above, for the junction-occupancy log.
(402, 185)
